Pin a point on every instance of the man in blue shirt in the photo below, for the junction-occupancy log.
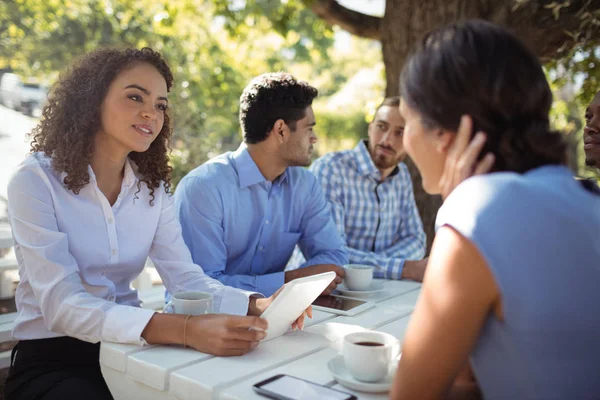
(371, 196)
(243, 212)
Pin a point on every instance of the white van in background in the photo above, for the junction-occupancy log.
(32, 97)
(10, 87)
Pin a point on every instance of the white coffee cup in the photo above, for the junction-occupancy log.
(358, 276)
(368, 356)
(194, 303)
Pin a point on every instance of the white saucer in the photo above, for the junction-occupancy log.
(375, 287)
(342, 375)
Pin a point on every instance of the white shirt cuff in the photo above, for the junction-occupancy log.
(125, 324)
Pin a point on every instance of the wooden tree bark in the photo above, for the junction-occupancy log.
(546, 29)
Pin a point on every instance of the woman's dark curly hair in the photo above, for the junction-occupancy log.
(480, 69)
(71, 117)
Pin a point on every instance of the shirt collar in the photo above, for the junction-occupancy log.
(247, 170)
(131, 175)
(365, 164)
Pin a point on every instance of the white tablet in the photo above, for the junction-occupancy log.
(295, 297)
(341, 305)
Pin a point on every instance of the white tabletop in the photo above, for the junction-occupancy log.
(177, 373)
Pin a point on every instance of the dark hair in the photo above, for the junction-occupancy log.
(71, 117)
(273, 96)
(480, 69)
(393, 101)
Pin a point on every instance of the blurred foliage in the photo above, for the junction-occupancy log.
(579, 67)
(309, 36)
(213, 47)
(574, 76)
(574, 79)
(352, 125)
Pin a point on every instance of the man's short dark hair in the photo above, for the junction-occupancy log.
(269, 97)
(393, 101)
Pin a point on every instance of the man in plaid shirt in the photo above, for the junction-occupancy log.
(372, 202)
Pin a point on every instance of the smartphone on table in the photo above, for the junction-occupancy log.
(287, 387)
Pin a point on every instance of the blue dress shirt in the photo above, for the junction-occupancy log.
(241, 228)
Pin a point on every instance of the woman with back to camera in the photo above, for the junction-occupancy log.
(87, 207)
(512, 281)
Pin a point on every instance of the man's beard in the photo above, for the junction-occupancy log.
(386, 162)
(300, 161)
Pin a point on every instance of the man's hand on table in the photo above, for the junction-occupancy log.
(318, 269)
(414, 270)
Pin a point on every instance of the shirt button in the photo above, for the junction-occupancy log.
(267, 222)
(261, 248)
(114, 252)
(110, 220)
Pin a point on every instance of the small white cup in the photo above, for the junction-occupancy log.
(369, 355)
(358, 276)
(194, 303)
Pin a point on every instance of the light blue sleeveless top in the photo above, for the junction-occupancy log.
(540, 235)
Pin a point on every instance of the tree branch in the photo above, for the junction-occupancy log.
(354, 22)
(550, 31)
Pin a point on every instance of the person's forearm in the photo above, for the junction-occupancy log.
(266, 284)
(411, 247)
(165, 329)
(331, 256)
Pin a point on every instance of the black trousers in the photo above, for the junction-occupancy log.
(57, 368)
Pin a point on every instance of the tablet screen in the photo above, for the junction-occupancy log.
(338, 303)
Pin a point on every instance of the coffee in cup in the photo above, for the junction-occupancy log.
(193, 303)
(368, 356)
(358, 276)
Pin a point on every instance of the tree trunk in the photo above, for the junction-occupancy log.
(404, 23)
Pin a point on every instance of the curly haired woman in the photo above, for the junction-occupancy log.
(87, 207)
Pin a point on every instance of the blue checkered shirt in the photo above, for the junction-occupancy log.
(378, 220)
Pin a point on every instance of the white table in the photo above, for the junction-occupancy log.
(166, 372)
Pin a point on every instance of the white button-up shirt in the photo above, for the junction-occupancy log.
(78, 255)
